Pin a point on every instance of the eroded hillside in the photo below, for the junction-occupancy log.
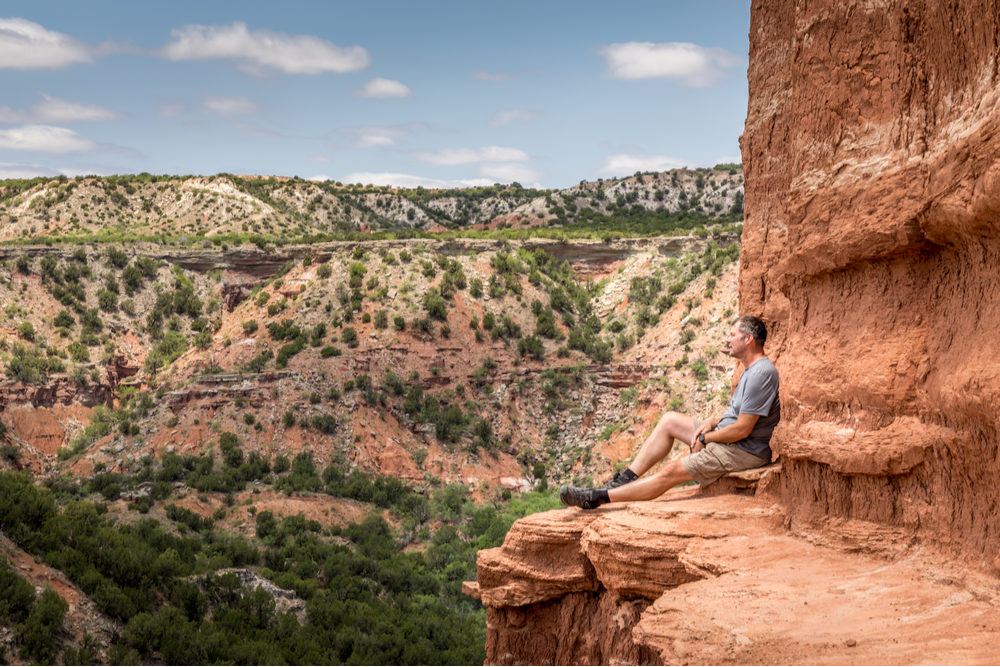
(432, 362)
(197, 210)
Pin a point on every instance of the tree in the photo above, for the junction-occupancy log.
(38, 633)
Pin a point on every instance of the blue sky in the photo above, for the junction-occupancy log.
(403, 93)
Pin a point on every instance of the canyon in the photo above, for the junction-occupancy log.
(870, 250)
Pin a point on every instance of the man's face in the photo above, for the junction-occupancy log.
(737, 342)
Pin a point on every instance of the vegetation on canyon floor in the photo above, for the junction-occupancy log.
(367, 600)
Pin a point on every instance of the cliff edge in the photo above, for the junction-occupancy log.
(699, 579)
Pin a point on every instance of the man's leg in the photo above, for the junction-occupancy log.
(657, 446)
(670, 475)
(661, 441)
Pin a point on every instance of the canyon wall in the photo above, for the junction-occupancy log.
(871, 249)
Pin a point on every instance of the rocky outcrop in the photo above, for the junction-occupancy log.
(871, 249)
(254, 264)
(58, 390)
(120, 368)
(718, 580)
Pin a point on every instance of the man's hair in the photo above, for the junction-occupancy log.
(754, 326)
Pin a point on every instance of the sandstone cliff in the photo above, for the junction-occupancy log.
(870, 248)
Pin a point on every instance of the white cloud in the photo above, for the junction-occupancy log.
(410, 181)
(625, 164)
(689, 64)
(319, 159)
(27, 45)
(382, 89)
(451, 156)
(510, 172)
(504, 118)
(222, 105)
(368, 136)
(56, 110)
(44, 138)
(263, 51)
(492, 76)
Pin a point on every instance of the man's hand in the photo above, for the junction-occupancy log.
(706, 427)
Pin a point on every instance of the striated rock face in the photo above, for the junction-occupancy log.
(570, 586)
(872, 249)
(693, 579)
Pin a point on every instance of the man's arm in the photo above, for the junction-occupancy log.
(741, 428)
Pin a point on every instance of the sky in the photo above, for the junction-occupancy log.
(439, 94)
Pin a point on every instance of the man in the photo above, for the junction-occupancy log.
(740, 440)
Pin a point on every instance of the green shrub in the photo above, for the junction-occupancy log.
(422, 326)
(324, 423)
(117, 258)
(107, 300)
(64, 319)
(435, 304)
(476, 288)
(531, 345)
(26, 330)
(349, 337)
(78, 352)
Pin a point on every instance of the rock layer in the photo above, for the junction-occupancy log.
(702, 579)
(871, 249)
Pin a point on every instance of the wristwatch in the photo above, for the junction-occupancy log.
(701, 439)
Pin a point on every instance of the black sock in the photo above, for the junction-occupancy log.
(629, 475)
(599, 497)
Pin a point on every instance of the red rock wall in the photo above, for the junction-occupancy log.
(579, 628)
(871, 248)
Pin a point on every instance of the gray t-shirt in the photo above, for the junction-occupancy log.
(756, 394)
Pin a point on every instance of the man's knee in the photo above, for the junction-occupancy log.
(676, 425)
(672, 469)
(672, 418)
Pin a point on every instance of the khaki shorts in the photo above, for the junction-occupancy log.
(717, 459)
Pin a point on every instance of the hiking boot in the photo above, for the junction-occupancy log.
(620, 479)
(572, 496)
